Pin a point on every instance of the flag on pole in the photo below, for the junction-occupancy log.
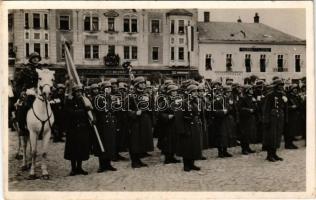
(73, 74)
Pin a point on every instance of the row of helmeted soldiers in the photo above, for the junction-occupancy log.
(186, 119)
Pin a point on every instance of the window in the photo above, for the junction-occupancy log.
(172, 53)
(26, 20)
(46, 36)
(91, 51)
(111, 25)
(228, 62)
(134, 52)
(181, 53)
(155, 53)
(91, 23)
(27, 35)
(37, 48)
(36, 21)
(172, 40)
(130, 52)
(87, 51)
(46, 50)
(37, 36)
(95, 51)
(181, 40)
(208, 62)
(62, 51)
(27, 49)
(130, 24)
(262, 63)
(206, 16)
(111, 50)
(126, 52)
(297, 63)
(10, 21)
(126, 25)
(280, 63)
(45, 21)
(134, 25)
(181, 27)
(172, 27)
(155, 26)
(11, 50)
(64, 23)
(248, 62)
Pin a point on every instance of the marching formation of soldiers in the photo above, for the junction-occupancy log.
(187, 118)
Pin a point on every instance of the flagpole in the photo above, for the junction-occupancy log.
(71, 69)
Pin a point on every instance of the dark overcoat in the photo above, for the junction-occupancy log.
(190, 146)
(248, 120)
(141, 134)
(78, 130)
(293, 126)
(273, 120)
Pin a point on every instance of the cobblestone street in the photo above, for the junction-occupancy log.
(240, 173)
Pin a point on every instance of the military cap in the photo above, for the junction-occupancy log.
(235, 85)
(168, 81)
(34, 55)
(171, 88)
(138, 80)
(277, 81)
(94, 86)
(122, 85)
(247, 87)
(227, 89)
(113, 80)
(60, 85)
(191, 88)
(77, 87)
(106, 84)
(293, 86)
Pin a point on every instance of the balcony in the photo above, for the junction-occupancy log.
(279, 69)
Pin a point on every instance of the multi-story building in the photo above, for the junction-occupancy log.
(155, 41)
(236, 50)
(163, 41)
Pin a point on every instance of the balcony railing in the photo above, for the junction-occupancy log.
(279, 69)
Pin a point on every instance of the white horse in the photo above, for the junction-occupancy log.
(40, 119)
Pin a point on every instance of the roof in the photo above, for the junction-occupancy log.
(234, 32)
(181, 12)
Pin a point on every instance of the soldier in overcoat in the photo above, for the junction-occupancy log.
(168, 139)
(140, 123)
(274, 112)
(190, 146)
(248, 121)
(78, 130)
(106, 125)
(292, 128)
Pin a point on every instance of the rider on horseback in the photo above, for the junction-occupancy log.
(26, 82)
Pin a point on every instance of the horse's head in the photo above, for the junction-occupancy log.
(45, 82)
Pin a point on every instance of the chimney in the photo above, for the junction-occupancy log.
(256, 18)
(239, 20)
(206, 16)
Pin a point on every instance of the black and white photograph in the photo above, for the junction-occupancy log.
(148, 98)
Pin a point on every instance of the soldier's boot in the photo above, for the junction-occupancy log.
(167, 159)
(101, 165)
(244, 149)
(220, 152)
(270, 156)
(226, 154)
(108, 166)
(79, 169)
(73, 168)
(134, 159)
(275, 156)
(194, 167)
(186, 165)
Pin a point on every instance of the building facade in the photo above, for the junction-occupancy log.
(236, 50)
(155, 41)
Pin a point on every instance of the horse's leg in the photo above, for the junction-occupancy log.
(46, 139)
(24, 144)
(33, 143)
